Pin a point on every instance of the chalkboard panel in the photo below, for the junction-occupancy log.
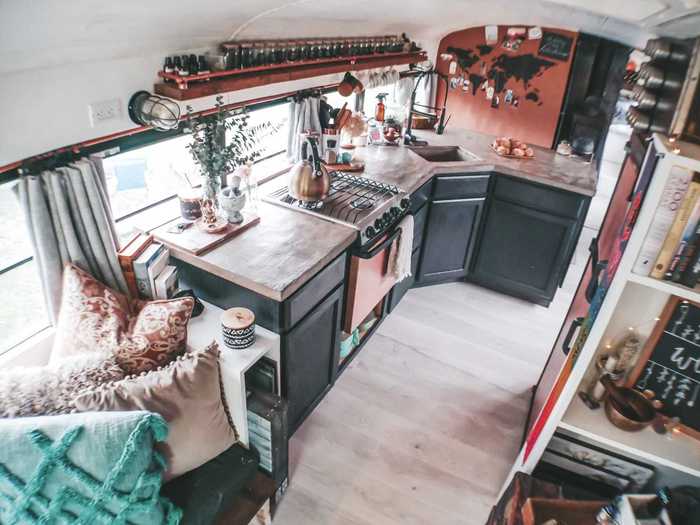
(554, 45)
(670, 362)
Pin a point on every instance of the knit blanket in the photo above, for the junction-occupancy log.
(91, 469)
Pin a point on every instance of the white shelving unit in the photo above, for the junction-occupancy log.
(204, 329)
(630, 297)
(678, 451)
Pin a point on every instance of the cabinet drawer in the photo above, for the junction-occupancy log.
(302, 301)
(461, 186)
(538, 197)
(419, 226)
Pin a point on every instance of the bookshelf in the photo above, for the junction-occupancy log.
(630, 299)
(204, 329)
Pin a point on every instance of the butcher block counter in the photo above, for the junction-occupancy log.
(287, 248)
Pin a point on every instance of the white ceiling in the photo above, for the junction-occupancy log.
(42, 33)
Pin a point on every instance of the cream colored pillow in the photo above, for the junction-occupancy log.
(188, 394)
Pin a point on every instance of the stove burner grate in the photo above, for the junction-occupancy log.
(350, 197)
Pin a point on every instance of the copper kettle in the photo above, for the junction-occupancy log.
(309, 180)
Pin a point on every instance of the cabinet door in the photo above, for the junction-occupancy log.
(523, 251)
(310, 356)
(448, 239)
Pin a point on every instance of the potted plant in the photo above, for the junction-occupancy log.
(221, 142)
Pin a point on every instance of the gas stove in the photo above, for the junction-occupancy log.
(373, 208)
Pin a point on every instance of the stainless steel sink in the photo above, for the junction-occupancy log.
(444, 153)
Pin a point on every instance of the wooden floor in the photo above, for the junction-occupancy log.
(424, 425)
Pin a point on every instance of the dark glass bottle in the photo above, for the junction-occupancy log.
(185, 69)
(202, 66)
(194, 66)
(177, 65)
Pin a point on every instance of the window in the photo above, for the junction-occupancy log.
(22, 311)
(394, 109)
(141, 184)
(337, 100)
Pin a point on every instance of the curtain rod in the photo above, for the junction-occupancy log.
(76, 148)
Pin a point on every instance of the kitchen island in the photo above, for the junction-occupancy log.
(510, 225)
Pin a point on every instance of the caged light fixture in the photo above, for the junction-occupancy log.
(160, 113)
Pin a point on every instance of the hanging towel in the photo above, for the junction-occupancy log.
(401, 251)
(303, 116)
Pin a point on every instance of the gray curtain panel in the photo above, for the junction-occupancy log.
(303, 116)
(69, 219)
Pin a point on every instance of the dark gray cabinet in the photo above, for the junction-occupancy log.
(528, 238)
(449, 238)
(310, 353)
(452, 226)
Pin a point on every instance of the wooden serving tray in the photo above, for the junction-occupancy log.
(510, 156)
(196, 241)
(345, 167)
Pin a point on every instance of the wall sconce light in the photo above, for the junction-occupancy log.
(160, 113)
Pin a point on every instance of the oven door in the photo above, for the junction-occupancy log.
(369, 281)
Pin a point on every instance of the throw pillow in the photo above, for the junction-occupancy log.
(188, 394)
(84, 468)
(95, 318)
(49, 390)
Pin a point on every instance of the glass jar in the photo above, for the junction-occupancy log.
(281, 53)
(293, 51)
(270, 52)
(246, 55)
(304, 50)
(315, 49)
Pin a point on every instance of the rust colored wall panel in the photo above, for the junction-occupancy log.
(540, 95)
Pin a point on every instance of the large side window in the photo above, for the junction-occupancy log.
(142, 184)
(22, 309)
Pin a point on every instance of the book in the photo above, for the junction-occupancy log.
(131, 250)
(141, 264)
(166, 283)
(671, 198)
(691, 273)
(673, 237)
(685, 247)
(155, 266)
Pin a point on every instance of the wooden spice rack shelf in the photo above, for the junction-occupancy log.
(196, 86)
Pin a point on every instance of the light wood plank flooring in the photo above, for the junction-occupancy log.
(424, 425)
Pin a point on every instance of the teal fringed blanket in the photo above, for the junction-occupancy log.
(84, 469)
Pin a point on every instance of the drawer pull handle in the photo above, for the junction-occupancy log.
(575, 324)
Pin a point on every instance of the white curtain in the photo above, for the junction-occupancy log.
(303, 116)
(69, 219)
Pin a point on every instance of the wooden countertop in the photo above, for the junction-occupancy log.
(401, 166)
(277, 256)
(287, 248)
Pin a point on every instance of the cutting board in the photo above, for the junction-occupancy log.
(197, 242)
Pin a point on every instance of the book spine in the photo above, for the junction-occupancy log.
(664, 216)
(691, 273)
(687, 247)
(670, 245)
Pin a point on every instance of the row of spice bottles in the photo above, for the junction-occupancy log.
(239, 55)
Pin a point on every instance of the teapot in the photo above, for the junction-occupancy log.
(309, 180)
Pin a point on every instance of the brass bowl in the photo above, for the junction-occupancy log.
(643, 406)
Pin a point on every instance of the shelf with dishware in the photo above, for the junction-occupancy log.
(201, 85)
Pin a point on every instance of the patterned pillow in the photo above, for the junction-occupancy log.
(94, 318)
(50, 390)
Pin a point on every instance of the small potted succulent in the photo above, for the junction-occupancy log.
(221, 142)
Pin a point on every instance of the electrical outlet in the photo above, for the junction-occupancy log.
(104, 110)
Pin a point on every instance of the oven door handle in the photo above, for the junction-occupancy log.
(369, 254)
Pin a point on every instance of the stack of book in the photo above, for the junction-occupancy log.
(671, 249)
(144, 263)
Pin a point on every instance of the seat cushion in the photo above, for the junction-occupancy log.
(83, 468)
(206, 492)
(94, 318)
